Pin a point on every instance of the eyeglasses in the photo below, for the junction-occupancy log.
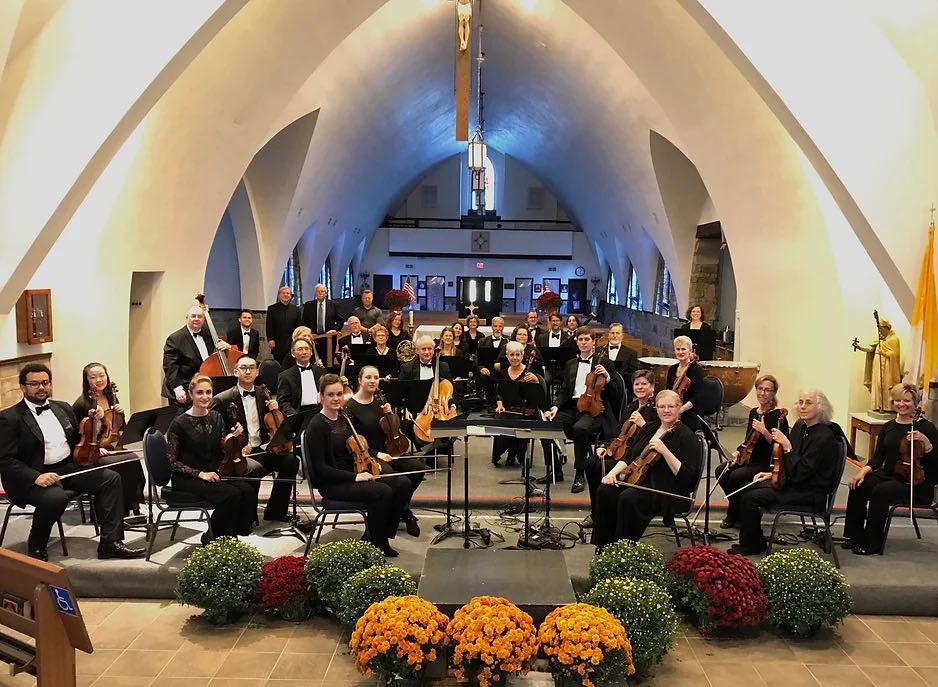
(247, 367)
(38, 384)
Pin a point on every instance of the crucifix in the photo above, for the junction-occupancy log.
(472, 307)
(461, 89)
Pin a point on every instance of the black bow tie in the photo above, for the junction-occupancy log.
(39, 409)
(555, 336)
(586, 362)
(426, 365)
(613, 348)
(304, 369)
(196, 334)
(245, 394)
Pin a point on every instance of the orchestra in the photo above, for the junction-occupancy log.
(636, 460)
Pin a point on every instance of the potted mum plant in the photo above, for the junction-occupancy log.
(492, 639)
(396, 299)
(284, 589)
(370, 585)
(718, 590)
(221, 579)
(397, 638)
(329, 567)
(549, 301)
(805, 591)
(644, 609)
(586, 647)
(627, 559)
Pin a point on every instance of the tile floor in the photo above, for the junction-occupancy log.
(157, 644)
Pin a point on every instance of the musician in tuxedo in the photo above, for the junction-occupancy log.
(578, 426)
(367, 313)
(183, 354)
(282, 319)
(298, 384)
(252, 406)
(625, 358)
(555, 336)
(244, 336)
(533, 325)
(497, 337)
(423, 365)
(322, 316)
(37, 440)
(357, 335)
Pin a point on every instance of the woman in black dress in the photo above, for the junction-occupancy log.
(624, 512)
(194, 443)
(877, 487)
(458, 331)
(522, 335)
(685, 377)
(334, 469)
(762, 421)
(695, 322)
(397, 332)
(98, 397)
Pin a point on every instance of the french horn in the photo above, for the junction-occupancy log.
(406, 351)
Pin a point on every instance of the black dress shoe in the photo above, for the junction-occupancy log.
(117, 549)
(727, 524)
(389, 552)
(847, 544)
(549, 479)
(738, 550)
(38, 554)
(410, 523)
(577, 486)
(207, 538)
(284, 517)
(863, 551)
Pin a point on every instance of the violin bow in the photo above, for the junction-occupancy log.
(746, 486)
(654, 491)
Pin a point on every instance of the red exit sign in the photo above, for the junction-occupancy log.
(480, 265)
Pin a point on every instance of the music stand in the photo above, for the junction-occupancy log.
(709, 399)
(387, 364)
(292, 426)
(222, 383)
(459, 366)
(705, 341)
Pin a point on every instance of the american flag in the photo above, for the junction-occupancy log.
(409, 290)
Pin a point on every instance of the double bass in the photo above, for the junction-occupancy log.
(438, 404)
(218, 363)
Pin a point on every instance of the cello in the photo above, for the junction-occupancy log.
(272, 421)
(357, 447)
(395, 443)
(438, 404)
(233, 461)
(218, 363)
(590, 401)
(346, 389)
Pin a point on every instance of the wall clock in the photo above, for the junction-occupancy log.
(580, 271)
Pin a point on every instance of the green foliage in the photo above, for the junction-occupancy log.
(372, 585)
(644, 609)
(805, 592)
(329, 567)
(221, 579)
(626, 559)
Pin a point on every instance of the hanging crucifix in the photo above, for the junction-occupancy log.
(461, 89)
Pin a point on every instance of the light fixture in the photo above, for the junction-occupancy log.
(478, 151)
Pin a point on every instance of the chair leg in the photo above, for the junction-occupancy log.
(208, 521)
(918, 532)
(677, 535)
(830, 543)
(172, 536)
(6, 521)
(153, 532)
(94, 519)
(889, 515)
(62, 538)
(772, 535)
(81, 510)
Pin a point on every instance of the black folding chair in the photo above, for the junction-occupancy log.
(919, 511)
(14, 511)
(165, 498)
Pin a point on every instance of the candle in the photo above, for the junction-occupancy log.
(410, 317)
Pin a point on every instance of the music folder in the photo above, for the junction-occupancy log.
(487, 356)
(556, 358)
(291, 425)
(387, 364)
(459, 365)
(523, 395)
(142, 420)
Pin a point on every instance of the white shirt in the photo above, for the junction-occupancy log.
(579, 386)
(53, 435)
(309, 395)
(357, 339)
(246, 336)
(612, 353)
(200, 342)
(496, 342)
(425, 372)
(553, 341)
(250, 414)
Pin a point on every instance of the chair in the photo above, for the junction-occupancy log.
(324, 507)
(167, 499)
(78, 496)
(267, 374)
(929, 512)
(684, 510)
(825, 513)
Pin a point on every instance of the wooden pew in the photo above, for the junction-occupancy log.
(36, 600)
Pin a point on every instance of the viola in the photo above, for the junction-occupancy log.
(909, 466)
(218, 363)
(357, 446)
(272, 421)
(636, 471)
(619, 447)
(590, 401)
(778, 454)
(681, 385)
(91, 431)
(395, 443)
(114, 423)
(233, 462)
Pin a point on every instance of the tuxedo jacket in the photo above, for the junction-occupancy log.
(22, 447)
(626, 361)
(222, 401)
(411, 370)
(543, 339)
(235, 338)
(612, 394)
(347, 339)
(487, 342)
(333, 319)
(290, 388)
(281, 321)
(181, 359)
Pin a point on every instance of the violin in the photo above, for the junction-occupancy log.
(272, 421)
(395, 443)
(233, 461)
(752, 438)
(778, 454)
(619, 447)
(590, 401)
(909, 466)
(438, 404)
(681, 385)
(91, 431)
(357, 446)
(113, 422)
(636, 471)
(218, 363)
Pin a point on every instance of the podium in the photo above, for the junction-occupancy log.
(37, 601)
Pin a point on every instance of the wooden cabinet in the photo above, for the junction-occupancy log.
(34, 316)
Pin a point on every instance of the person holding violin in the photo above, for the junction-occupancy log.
(397, 332)
(98, 401)
(884, 480)
(184, 352)
(327, 437)
(37, 438)
(754, 455)
(684, 377)
(517, 369)
(297, 384)
(577, 425)
(253, 404)
(802, 471)
(638, 413)
(374, 418)
(195, 444)
(669, 452)
(522, 335)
